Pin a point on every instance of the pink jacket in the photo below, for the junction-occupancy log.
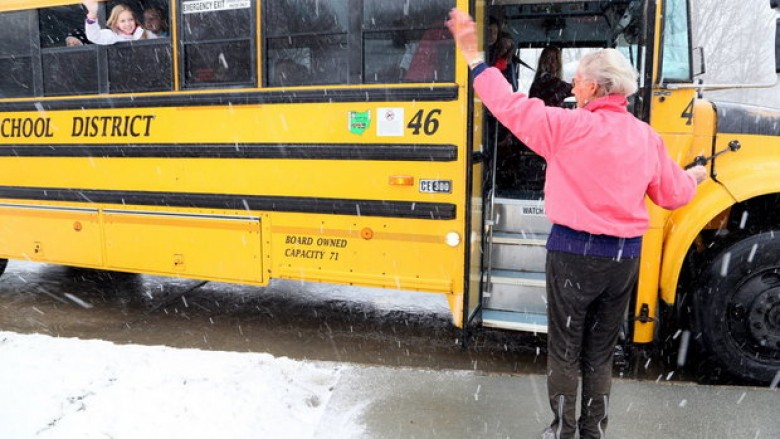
(601, 160)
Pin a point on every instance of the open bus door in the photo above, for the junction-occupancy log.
(509, 292)
(515, 231)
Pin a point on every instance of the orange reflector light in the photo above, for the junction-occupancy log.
(401, 180)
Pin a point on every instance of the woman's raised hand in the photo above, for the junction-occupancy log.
(464, 31)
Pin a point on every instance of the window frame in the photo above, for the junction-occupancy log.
(37, 54)
(664, 46)
(356, 32)
(64, 51)
(34, 54)
(105, 51)
(182, 44)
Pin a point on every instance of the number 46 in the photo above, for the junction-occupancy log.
(429, 126)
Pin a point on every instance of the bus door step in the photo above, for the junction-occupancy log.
(514, 320)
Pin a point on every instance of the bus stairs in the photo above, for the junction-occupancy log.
(514, 289)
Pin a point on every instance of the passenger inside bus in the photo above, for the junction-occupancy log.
(501, 49)
(75, 38)
(155, 21)
(122, 25)
(410, 41)
(507, 149)
(520, 172)
(548, 84)
(433, 60)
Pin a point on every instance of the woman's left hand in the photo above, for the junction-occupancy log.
(698, 172)
(464, 31)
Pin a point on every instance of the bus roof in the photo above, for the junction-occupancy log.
(537, 2)
(15, 5)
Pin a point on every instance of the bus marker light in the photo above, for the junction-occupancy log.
(77, 226)
(366, 233)
(401, 180)
(452, 239)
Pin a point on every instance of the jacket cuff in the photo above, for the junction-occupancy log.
(481, 67)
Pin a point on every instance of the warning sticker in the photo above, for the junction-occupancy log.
(391, 122)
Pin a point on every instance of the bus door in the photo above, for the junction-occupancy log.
(516, 227)
(515, 234)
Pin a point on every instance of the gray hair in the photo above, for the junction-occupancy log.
(611, 70)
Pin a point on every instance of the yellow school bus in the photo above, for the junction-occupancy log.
(340, 141)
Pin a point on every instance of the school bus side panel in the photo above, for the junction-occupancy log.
(220, 247)
(292, 164)
(60, 234)
(345, 179)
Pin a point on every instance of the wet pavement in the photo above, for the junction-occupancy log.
(391, 403)
(286, 319)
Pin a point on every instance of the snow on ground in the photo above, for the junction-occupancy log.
(70, 388)
(54, 387)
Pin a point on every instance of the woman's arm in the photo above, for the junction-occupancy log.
(673, 187)
(539, 127)
(528, 119)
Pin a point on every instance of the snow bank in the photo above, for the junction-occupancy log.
(70, 388)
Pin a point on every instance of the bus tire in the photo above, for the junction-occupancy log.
(738, 308)
(3, 264)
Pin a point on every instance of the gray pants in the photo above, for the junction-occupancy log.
(586, 302)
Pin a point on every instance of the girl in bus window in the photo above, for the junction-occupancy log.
(122, 25)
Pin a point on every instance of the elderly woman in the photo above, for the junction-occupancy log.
(601, 163)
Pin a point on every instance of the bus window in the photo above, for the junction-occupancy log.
(68, 67)
(310, 36)
(16, 50)
(143, 65)
(676, 45)
(413, 48)
(55, 24)
(218, 44)
(138, 67)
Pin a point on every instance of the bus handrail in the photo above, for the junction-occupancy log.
(676, 86)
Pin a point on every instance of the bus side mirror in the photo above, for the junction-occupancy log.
(699, 66)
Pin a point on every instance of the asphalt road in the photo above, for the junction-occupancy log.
(290, 319)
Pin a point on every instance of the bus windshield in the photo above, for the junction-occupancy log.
(575, 28)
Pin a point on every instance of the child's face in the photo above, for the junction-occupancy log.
(126, 23)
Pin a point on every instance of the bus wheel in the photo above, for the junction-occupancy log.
(3, 264)
(739, 308)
